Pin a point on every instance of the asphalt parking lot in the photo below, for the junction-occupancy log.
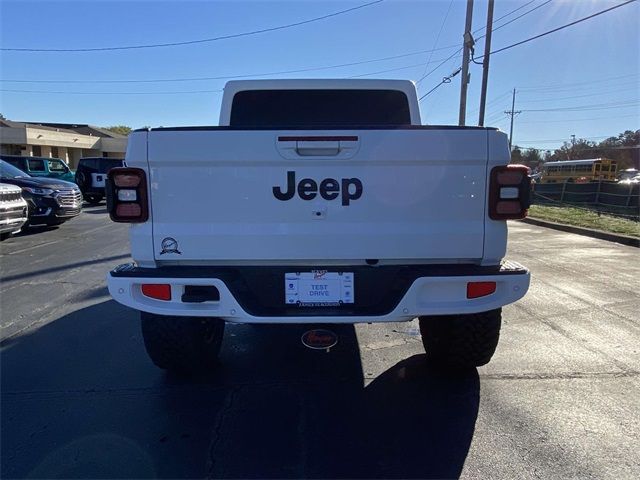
(81, 399)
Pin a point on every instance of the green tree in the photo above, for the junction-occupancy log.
(121, 129)
(532, 158)
(516, 154)
(624, 149)
(576, 150)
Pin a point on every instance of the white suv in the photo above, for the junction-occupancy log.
(13, 210)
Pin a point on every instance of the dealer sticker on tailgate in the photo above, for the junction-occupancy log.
(319, 288)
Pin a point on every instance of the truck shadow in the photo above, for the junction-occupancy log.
(81, 399)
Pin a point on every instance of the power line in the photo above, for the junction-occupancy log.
(596, 106)
(580, 119)
(548, 32)
(473, 59)
(281, 72)
(439, 65)
(506, 15)
(582, 88)
(446, 15)
(492, 101)
(483, 28)
(554, 86)
(386, 71)
(111, 93)
(518, 17)
(460, 49)
(231, 77)
(181, 92)
(444, 80)
(192, 42)
(555, 99)
(564, 139)
(562, 27)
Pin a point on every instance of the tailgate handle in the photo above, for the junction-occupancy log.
(318, 148)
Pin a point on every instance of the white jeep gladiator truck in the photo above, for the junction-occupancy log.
(318, 202)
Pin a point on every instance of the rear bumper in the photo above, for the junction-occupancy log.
(408, 292)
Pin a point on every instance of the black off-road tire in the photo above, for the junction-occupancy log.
(461, 341)
(182, 344)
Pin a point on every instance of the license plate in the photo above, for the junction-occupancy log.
(319, 288)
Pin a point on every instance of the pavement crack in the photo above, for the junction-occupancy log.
(217, 429)
(399, 342)
(571, 336)
(558, 376)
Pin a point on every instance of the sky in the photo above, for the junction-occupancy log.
(582, 80)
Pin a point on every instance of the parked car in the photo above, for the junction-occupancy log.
(49, 201)
(631, 180)
(41, 166)
(628, 174)
(91, 174)
(13, 210)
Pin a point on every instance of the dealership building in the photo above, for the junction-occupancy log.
(67, 141)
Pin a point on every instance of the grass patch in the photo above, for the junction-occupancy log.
(587, 219)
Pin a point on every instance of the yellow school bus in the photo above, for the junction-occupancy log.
(579, 171)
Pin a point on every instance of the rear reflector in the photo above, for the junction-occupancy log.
(480, 289)
(124, 210)
(159, 291)
(508, 207)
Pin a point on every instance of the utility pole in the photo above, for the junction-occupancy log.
(512, 113)
(485, 63)
(468, 43)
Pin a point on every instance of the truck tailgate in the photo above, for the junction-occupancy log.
(224, 195)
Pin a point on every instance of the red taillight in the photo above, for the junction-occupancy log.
(127, 195)
(511, 207)
(480, 289)
(159, 291)
(126, 180)
(510, 176)
(509, 192)
(128, 210)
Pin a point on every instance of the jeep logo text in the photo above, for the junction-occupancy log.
(330, 189)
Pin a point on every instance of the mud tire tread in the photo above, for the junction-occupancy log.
(182, 344)
(461, 341)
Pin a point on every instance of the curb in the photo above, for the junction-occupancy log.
(611, 237)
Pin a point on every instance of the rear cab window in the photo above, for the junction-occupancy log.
(340, 107)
